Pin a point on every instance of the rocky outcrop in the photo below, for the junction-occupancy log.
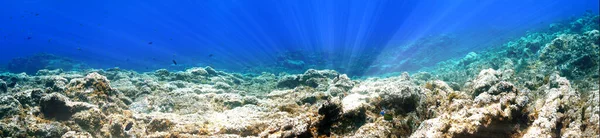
(59, 107)
(489, 113)
(555, 115)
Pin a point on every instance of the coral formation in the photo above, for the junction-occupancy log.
(32, 64)
(542, 85)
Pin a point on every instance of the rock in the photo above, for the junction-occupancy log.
(311, 73)
(459, 116)
(247, 120)
(315, 82)
(372, 130)
(484, 81)
(405, 76)
(94, 89)
(118, 129)
(74, 134)
(90, 120)
(502, 87)
(3, 86)
(290, 81)
(93, 81)
(469, 58)
(354, 109)
(319, 79)
(336, 91)
(211, 71)
(331, 112)
(279, 93)
(181, 76)
(556, 109)
(162, 74)
(222, 85)
(53, 129)
(250, 100)
(29, 98)
(309, 98)
(55, 106)
(198, 71)
(232, 101)
(295, 127)
(591, 115)
(431, 128)
(56, 83)
(343, 82)
(442, 86)
(8, 106)
(392, 93)
(159, 124)
(45, 72)
(353, 103)
(59, 107)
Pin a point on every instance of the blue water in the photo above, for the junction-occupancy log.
(254, 35)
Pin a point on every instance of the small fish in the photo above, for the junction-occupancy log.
(37, 14)
(210, 55)
(149, 43)
(29, 38)
(382, 111)
(128, 126)
(174, 62)
(49, 40)
(79, 48)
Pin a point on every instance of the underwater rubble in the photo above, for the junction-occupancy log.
(542, 85)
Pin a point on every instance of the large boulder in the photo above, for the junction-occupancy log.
(484, 81)
(497, 104)
(320, 79)
(3, 86)
(59, 107)
(396, 93)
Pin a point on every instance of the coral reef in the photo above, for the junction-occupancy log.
(32, 64)
(542, 85)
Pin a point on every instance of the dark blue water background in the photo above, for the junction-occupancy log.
(252, 33)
